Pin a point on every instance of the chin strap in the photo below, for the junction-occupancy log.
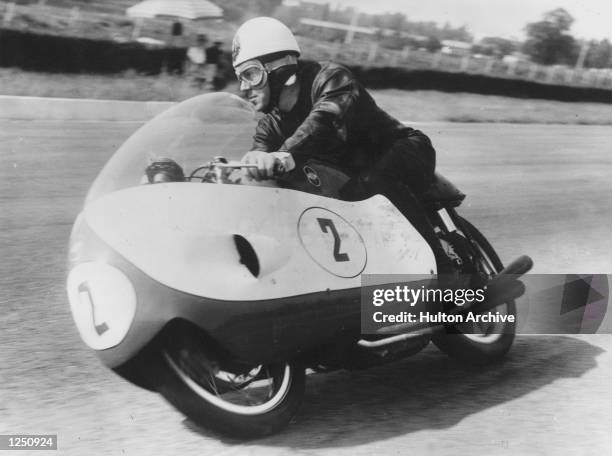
(278, 79)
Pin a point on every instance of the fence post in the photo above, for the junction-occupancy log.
(74, 16)
(405, 53)
(578, 76)
(348, 39)
(465, 63)
(9, 13)
(137, 28)
(594, 77)
(373, 52)
(395, 58)
(533, 71)
(597, 78)
(335, 50)
(601, 79)
(550, 74)
(435, 60)
(511, 71)
(606, 76)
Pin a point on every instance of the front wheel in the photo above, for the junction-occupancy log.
(238, 401)
(480, 343)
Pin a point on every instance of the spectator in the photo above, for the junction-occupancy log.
(196, 61)
(213, 60)
(176, 34)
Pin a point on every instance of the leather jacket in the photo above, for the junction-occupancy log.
(334, 120)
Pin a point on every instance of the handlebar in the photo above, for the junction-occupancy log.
(219, 170)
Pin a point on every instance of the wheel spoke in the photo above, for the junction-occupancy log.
(254, 389)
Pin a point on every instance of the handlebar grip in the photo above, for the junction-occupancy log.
(279, 168)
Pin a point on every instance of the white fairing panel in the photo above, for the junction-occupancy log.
(103, 303)
(182, 235)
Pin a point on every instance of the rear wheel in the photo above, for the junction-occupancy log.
(480, 343)
(234, 399)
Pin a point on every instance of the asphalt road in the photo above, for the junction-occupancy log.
(541, 190)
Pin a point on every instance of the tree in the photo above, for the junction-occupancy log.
(433, 44)
(395, 21)
(289, 15)
(462, 33)
(238, 10)
(548, 41)
(499, 47)
(600, 55)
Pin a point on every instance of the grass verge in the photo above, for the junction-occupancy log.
(428, 106)
(412, 106)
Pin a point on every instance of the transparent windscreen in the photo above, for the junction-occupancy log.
(190, 133)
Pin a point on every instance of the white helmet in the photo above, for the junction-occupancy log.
(262, 36)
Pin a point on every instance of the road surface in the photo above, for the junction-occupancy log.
(541, 190)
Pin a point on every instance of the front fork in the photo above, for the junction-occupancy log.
(456, 240)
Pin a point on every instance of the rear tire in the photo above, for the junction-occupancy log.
(473, 343)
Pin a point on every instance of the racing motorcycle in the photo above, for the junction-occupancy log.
(222, 293)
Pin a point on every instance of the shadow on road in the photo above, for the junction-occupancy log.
(428, 391)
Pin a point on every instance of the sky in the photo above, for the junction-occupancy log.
(506, 18)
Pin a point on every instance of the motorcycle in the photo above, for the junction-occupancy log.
(220, 293)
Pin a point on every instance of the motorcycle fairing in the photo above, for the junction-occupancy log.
(253, 331)
(182, 236)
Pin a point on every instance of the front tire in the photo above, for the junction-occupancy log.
(474, 343)
(237, 401)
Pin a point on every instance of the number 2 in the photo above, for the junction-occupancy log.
(85, 294)
(325, 223)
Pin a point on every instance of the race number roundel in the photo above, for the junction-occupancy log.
(103, 303)
(332, 242)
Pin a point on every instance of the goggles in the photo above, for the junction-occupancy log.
(253, 74)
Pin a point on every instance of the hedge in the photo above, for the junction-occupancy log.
(60, 54)
(399, 78)
(49, 53)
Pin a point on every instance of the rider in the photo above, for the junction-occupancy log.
(319, 110)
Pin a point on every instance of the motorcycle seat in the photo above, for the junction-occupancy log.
(442, 192)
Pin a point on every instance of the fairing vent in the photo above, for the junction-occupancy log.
(248, 257)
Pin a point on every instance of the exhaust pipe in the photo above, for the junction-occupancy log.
(508, 276)
(496, 295)
(502, 288)
(520, 266)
